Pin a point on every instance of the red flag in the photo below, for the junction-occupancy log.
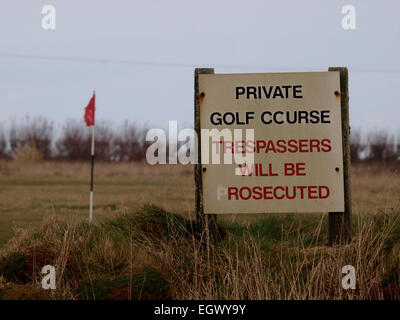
(89, 112)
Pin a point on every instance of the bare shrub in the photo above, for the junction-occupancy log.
(16, 138)
(3, 145)
(29, 153)
(74, 143)
(124, 144)
(37, 131)
(382, 146)
(129, 143)
(104, 141)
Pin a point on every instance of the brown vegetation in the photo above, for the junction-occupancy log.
(274, 258)
(126, 142)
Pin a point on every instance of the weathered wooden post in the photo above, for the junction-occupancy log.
(207, 223)
(340, 222)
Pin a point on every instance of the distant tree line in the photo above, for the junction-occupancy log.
(375, 146)
(126, 141)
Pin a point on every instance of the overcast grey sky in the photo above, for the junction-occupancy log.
(230, 35)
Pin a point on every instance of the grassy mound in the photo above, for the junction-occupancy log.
(154, 254)
(109, 259)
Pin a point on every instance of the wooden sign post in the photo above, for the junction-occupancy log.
(340, 222)
(207, 223)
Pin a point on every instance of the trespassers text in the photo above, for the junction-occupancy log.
(272, 146)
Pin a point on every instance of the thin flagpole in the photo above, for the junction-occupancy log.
(91, 177)
(91, 173)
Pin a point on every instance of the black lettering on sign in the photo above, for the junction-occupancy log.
(229, 118)
(296, 117)
(269, 92)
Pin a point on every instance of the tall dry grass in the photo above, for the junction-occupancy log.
(246, 267)
(247, 270)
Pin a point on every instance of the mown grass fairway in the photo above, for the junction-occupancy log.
(28, 192)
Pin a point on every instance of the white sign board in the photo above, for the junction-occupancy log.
(297, 142)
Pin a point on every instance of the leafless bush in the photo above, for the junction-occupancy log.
(74, 143)
(104, 141)
(129, 143)
(382, 146)
(37, 131)
(3, 145)
(30, 153)
(126, 144)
